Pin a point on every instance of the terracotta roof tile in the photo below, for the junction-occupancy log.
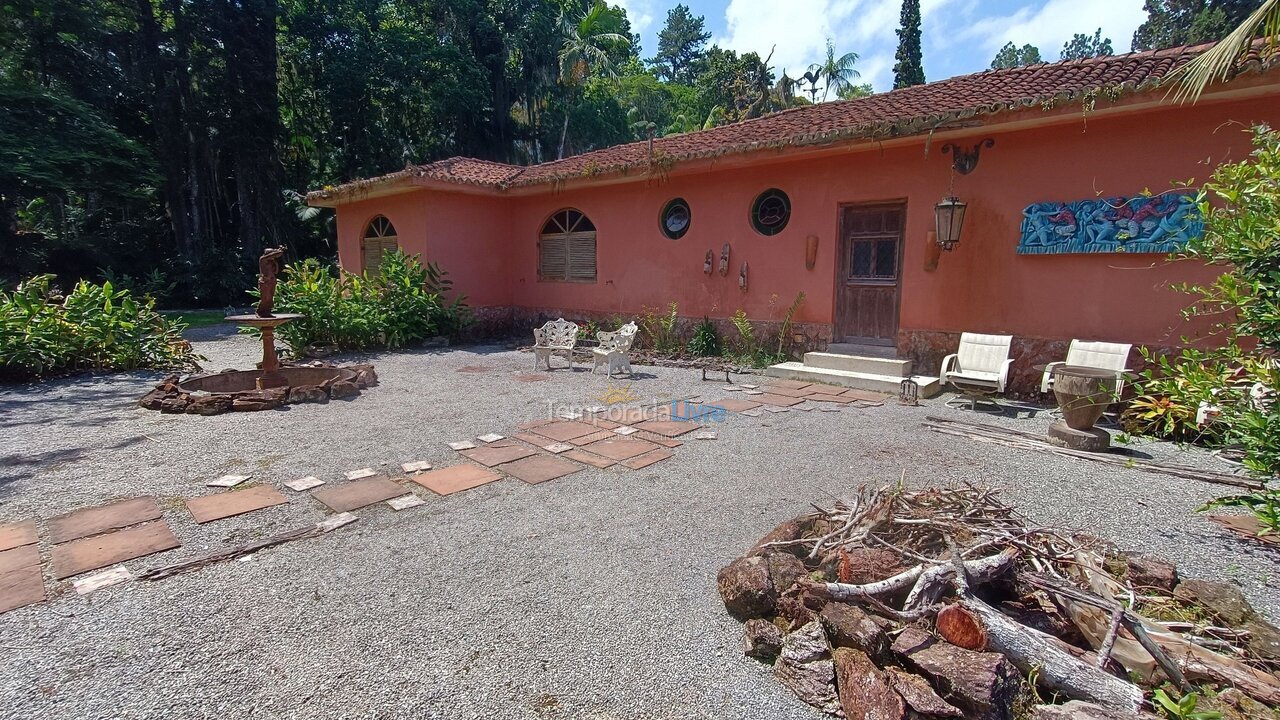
(909, 111)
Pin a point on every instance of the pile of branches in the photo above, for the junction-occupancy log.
(889, 571)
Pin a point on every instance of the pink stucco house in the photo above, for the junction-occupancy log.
(1053, 163)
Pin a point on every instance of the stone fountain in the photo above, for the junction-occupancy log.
(272, 384)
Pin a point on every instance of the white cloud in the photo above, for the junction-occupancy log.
(1052, 24)
(639, 12)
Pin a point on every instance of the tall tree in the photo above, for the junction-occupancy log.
(1011, 56)
(839, 71)
(909, 68)
(682, 43)
(1188, 22)
(588, 41)
(1082, 46)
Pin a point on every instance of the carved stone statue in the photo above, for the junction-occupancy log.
(268, 269)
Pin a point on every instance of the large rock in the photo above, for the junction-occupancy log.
(864, 689)
(746, 588)
(1223, 600)
(343, 389)
(785, 570)
(209, 405)
(848, 626)
(805, 666)
(983, 684)
(154, 399)
(861, 565)
(174, 404)
(1078, 710)
(258, 400)
(1234, 705)
(1147, 571)
(366, 376)
(761, 639)
(792, 529)
(919, 695)
(308, 394)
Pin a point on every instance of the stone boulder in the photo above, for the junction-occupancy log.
(209, 405)
(983, 684)
(788, 530)
(849, 626)
(308, 394)
(746, 588)
(1150, 572)
(366, 376)
(761, 639)
(343, 389)
(154, 399)
(258, 401)
(785, 570)
(919, 695)
(804, 665)
(174, 404)
(864, 689)
(1079, 710)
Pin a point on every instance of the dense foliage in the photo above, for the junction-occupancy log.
(94, 327)
(1233, 383)
(1083, 46)
(908, 68)
(1011, 56)
(1187, 22)
(399, 305)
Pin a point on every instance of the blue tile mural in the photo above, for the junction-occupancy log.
(1145, 224)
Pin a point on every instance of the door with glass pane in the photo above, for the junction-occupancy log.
(868, 274)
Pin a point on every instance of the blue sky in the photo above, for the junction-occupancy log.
(960, 36)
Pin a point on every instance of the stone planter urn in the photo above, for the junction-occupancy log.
(1083, 394)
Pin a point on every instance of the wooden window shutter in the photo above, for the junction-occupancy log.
(582, 256)
(374, 249)
(553, 257)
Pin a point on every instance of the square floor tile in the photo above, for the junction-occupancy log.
(783, 401)
(20, 588)
(657, 439)
(449, 480)
(620, 448)
(754, 412)
(822, 397)
(94, 520)
(227, 481)
(592, 459)
(306, 483)
(18, 558)
(358, 493)
(646, 459)
(359, 474)
(17, 534)
(491, 437)
(462, 445)
(415, 466)
(733, 405)
(670, 428)
(592, 437)
(789, 384)
(540, 468)
(565, 430)
(490, 456)
(405, 502)
(81, 556)
(234, 502)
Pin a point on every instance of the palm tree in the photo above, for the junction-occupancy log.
(839, 71)
(587, 42)
(1217, 63)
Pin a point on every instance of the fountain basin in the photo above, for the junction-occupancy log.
(251, 390)
(289, 376)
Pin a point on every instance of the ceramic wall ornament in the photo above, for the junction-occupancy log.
(810, 252)
(710, 262)
(724, 260)
(742, 277)
(1145, 224)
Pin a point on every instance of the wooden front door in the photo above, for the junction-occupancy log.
(868, 275)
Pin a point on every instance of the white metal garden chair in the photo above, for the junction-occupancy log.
(979, 367)
(613, 349)
(1105, 355)
(555, 336)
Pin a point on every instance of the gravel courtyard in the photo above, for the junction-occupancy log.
(589, 596)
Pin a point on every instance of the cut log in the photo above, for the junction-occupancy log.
(961, 628)
(1056, 669)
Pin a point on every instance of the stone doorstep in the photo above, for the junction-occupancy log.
(234, 502)
(81, 556)
(358, 493)
(92, 521)
(17, 534)
(456, 478)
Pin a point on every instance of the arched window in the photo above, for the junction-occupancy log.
(567, 248)
(379, 239)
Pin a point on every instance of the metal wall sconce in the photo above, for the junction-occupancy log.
(742, 277)
(965, 161)
(709, 265)
(810, 252)
(724, 260)
(948, 218)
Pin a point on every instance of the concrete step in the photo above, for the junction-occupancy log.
(859, 364)
(891, 384)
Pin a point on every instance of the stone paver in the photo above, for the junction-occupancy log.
(770, 399)
(449, 480)
(789, 384)
(532, 424)
(18, 558)
(540, 468)
(81, 556)
(592, 459)
(842, 399)
(405, 502)
(657, 439)
(234, 502)
(304, 483)
(620, 448)
(491, 456)
(91, 521)
(592, 437)
(360, 474)
(786, 391)
(358, 493)
(227, 481)
(669, 428)
(735, 405)
(646, 459)
(462, 445)
(21, 587)
(17, 534)
(415, 466)
(565, 430)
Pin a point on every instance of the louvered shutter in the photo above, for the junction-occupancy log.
(582, 257)
(553, 258)
(373, 250)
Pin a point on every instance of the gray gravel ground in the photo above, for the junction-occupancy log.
(592, 596)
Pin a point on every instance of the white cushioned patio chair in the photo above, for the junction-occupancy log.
(613, 349)
(555, 336)
(1105, 355)
(979, 367)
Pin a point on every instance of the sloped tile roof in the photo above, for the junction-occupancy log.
(908, 111)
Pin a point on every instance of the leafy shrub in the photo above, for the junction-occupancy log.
(784, 332)
(402, 303)
(659, 330)
(706, 340)
(95, 327)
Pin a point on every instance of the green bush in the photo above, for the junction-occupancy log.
(402, 303)
(706, 340)
(95, 327)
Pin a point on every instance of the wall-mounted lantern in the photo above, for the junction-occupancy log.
(948, 218)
